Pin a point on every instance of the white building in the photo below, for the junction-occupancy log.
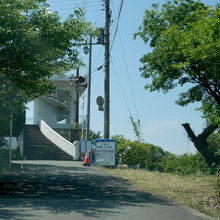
(53, 132)
(58, 108)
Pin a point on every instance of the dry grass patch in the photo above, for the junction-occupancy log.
(198, 192)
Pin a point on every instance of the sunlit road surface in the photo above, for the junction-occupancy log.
(66, 190)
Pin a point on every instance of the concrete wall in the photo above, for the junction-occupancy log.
(46, 111)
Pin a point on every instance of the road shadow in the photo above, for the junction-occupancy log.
(84, 190)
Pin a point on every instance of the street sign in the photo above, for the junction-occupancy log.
(105, 150)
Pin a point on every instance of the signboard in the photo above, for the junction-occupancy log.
(105, 152)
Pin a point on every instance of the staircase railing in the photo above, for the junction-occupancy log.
(57, 139)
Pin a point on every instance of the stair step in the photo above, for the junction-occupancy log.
(38, 147)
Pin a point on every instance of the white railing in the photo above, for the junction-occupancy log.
(58, 140)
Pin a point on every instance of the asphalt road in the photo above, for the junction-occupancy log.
(55, 190)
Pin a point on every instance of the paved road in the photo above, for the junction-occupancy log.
(53, 190)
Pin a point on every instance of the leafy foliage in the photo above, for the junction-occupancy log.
(12, 105)
(94, 135)
(4, 160)
(135, 153)
(186, 164)
(185, 51)
(214, 143)
(18, 121)
(34, 45)
(3, 143)
(136, 128)
(154, 158)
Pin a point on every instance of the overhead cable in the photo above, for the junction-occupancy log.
(117, 24)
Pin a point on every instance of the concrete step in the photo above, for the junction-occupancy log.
(38, 147)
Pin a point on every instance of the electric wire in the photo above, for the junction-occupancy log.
(125, 99)
(69, 5)
(129, 79)
(120, 86)
(89, 6)
(113, 19)
(72, 1)
(128, 74)
(117, 23)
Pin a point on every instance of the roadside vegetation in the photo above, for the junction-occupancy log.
(186, 179)
(146, 156)
(196, 191)
(184, 53)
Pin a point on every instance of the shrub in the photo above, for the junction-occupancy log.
(186, 164)
(154, 158)
(4, 159)
(134, 153)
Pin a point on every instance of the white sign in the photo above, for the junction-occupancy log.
(105, 152)
(13, 142)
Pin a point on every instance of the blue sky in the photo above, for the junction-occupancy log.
(160, 117)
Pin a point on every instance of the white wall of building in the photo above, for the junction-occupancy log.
(59, 106)
(44, 111)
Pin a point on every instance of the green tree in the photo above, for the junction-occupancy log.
(12, 108)
(94, 135)
(185, 39)
(34, 45)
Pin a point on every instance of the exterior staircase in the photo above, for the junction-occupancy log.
(38, 147)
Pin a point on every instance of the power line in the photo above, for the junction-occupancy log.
(136, 124)
(115, 16)
(117, 24)
(72, 1)
(121, 88)
(69, 4)
(131, 87)
(128, 74)
(83, 3)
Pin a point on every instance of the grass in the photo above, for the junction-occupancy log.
(196, 191)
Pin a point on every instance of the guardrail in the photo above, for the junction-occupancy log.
(57, 139)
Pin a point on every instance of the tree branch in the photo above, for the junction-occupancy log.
(189, 131)
(207, 131)
(201, 144)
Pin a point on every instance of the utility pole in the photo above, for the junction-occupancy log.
(107, 72)
(89, 90)
(77, 100)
